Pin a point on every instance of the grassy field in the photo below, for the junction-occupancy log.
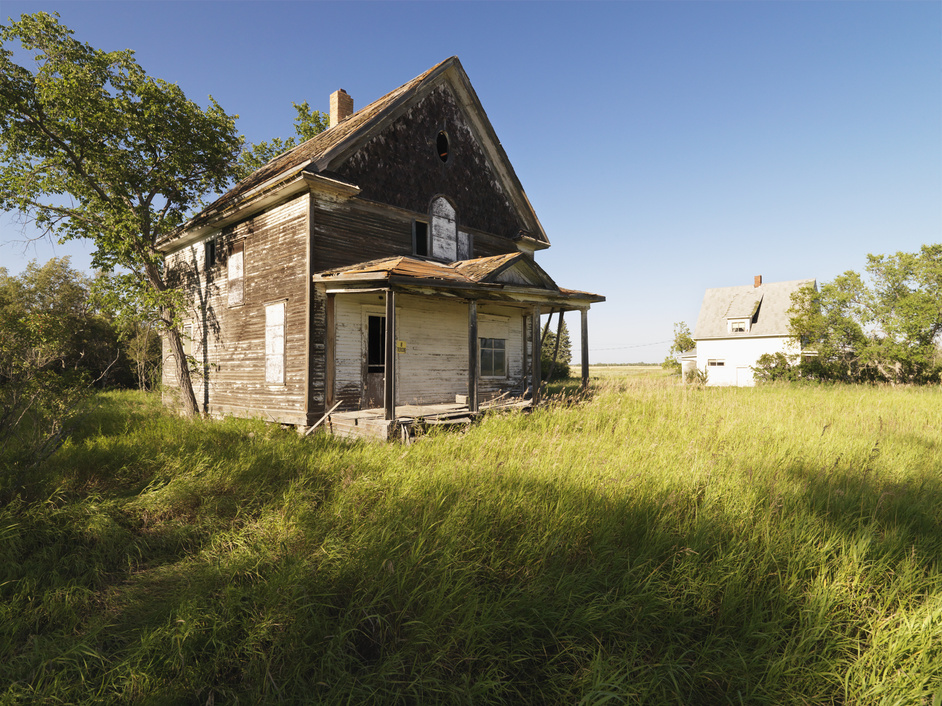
(650, 545)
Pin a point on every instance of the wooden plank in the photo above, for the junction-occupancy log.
(585, 349)
(473, 355)
(319, 421)
(330, 351)
(389, 391)
(537, 341)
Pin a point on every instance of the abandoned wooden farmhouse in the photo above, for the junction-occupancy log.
(383, 271)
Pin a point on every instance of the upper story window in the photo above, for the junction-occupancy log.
(738, 325)
(210, 251)
(444, 240)
(235, 272)
(420, 238)
(441, 146)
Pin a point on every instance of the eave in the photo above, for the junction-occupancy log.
(276, 190)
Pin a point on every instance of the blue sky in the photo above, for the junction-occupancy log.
(667, 147)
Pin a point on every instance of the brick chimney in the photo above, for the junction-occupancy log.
(757, 282)
(341, 107)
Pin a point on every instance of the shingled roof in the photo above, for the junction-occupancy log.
(485, 273)
(323, 152)
(767, 305)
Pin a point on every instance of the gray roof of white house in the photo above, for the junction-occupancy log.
(767, 305)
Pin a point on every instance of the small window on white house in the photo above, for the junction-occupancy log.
(715, 363)
(493, 357)
(236, 274)
(739, 325)
(275, 344)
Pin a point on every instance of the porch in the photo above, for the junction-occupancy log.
(372, 424)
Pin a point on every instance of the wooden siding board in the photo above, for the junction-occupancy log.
(400, 166)
(231, 352)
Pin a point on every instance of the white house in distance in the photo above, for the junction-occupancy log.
(737, 325)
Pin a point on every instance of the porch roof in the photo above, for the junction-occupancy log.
(513, 277)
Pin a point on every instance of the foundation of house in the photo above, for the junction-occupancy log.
(411, 420)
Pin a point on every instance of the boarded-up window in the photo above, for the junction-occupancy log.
(464, 245)
(188, 339)
(275, 344)
(235, 271)
(444, 231)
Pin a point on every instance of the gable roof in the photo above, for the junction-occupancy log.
(767, 305)
(324, 152)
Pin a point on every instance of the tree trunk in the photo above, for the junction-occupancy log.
(187, 396)
(168, 317)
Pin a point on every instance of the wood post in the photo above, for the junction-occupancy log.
(389, 382)
(536, 373)
(474, 355)
(330, 351)
(585, 349)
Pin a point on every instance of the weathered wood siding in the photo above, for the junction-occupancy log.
(434, 366)
(230, 343)
(507, 323)
(401, 166)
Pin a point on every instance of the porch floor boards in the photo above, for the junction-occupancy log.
(371, 423)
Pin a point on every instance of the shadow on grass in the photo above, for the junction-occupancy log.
(259, 569)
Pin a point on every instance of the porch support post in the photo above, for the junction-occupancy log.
(330, 353)
(473, 355)
(536, 373)
(389, 381)
(585, 349)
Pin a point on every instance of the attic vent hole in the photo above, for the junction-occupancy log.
(441, 145)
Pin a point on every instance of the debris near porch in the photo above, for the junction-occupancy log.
(411, 420)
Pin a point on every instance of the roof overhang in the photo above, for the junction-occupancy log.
(272, 192)
(413, 276)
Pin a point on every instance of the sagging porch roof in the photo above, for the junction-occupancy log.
(512, 277)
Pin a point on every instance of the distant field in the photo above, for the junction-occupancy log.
(651, 544)
(605, 372)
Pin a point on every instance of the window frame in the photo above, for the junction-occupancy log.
(420, 233)
(488, 349)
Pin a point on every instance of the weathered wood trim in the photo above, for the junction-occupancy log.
(330, 352)
(585, 349)
(536, 373)
(389, 391)
(309, 324)
(473, 355)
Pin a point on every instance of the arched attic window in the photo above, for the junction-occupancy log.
(447, 243)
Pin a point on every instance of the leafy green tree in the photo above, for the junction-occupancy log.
(683, 341)
(307, 124)
(89, 340)
(887, 330)
(130, 154)
(52, 347)
(906, 313)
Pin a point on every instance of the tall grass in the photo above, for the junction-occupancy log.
(649, 545)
